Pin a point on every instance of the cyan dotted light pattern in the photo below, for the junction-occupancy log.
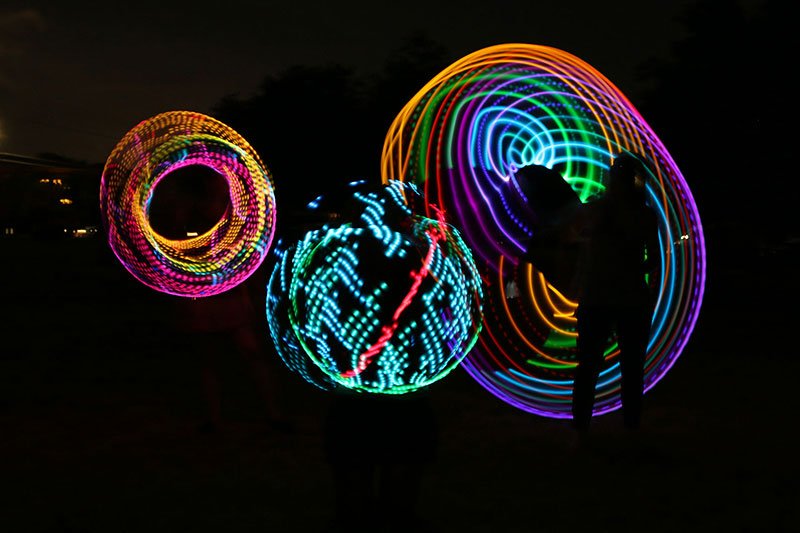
(385, 302)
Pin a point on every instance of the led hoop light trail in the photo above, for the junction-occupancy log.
(382, 301)
(463, 139)
(206, 264)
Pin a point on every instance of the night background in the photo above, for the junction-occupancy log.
(100, 399)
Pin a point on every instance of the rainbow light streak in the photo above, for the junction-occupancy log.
(206, 264)
(385, 302)
(462, 138)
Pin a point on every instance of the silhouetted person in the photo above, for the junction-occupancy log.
(187, 203)
(620, 245)
(221, 324)
(552, 210)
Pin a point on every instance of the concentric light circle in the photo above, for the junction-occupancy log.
(201, 265)
(462, 139)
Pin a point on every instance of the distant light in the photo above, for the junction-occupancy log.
(191, 234)
(80, 231)
(65, 201)
(313, 204)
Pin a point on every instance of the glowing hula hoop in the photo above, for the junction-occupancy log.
(462, 138)
(378, 299)
(206, 264)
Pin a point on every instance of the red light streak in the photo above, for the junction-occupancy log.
(436, 233)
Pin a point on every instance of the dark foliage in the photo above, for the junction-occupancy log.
(319, 127)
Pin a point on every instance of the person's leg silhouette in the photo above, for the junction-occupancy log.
(633, 332)
(594, 326)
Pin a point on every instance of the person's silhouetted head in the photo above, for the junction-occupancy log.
(623, 182)
(545, 192)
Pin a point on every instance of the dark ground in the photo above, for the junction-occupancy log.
(99, 404)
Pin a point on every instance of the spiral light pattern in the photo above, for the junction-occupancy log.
(462, 138)
(378, 299)
(206, 264)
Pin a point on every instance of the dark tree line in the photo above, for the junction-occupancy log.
(720, 104)
(319, 127)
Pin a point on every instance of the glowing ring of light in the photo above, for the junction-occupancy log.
(380, 301)
(464, 135)
(207, 264)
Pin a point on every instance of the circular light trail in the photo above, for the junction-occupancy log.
(205, 264)
(463, 138)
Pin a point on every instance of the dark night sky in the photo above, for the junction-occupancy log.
(75, 76)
